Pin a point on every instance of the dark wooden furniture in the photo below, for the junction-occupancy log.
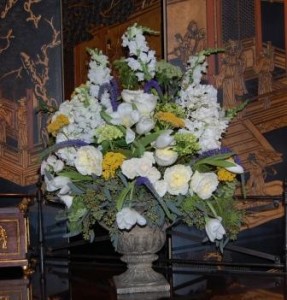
(14, 231)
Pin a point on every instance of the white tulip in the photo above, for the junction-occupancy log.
(214, 229)
(67, 199)
(130, 136)
(164, 140)
(145, 125)
(125, 115)
(237, 169)
(128, 217)
(58, 183)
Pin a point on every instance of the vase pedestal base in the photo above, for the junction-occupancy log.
(123, 287)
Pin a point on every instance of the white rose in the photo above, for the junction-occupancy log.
(203, 184)
(165, 157)
(89, 161)
(129, 167)
(128, 217)
(145, 125)
(149, 155)
(214, 229)
(160, 187)
(153, 174)
(177, 178)
(144, 164)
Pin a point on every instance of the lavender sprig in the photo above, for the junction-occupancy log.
(112, 89)
(152, 84)
(64, 144)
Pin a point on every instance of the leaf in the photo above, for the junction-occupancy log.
(76, 190)
(120, 200)
(106, 117)
(148, 139)
(107, 194)
(140, 149)
(123, 179)
(171, 205)
(217, 160)
(75, 176)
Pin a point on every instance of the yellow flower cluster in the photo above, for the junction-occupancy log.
(111, 162)
(59, 122)
(225, 175)
(170, 118)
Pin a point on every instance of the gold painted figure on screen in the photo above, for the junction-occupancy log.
(231, 76)
(264, 67)
(3, 238)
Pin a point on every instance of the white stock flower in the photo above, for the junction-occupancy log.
(66, 199)
(89, 161)
(128, 217)
(177, 178)
(214, 229)
(165, 157)
(203, 184)
(145, 125)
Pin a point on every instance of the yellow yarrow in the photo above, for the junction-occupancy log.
(225, 175)
(111, 162)
(59, 122)
(170, 118)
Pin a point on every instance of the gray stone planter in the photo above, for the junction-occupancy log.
(139, 247)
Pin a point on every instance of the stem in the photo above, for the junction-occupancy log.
(212, 209)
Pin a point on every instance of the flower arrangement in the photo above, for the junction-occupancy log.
(149, 154)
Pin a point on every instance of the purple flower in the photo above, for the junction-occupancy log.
(65, 144)
(112, 90)
(142, 181)
(152, 84)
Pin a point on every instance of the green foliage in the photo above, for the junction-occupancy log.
(128, 78)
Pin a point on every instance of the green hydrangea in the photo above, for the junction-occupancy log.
(186, 143)
(108, 133)
(167, 71)
(173, 108)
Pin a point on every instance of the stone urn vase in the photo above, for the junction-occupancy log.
(139, 247)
